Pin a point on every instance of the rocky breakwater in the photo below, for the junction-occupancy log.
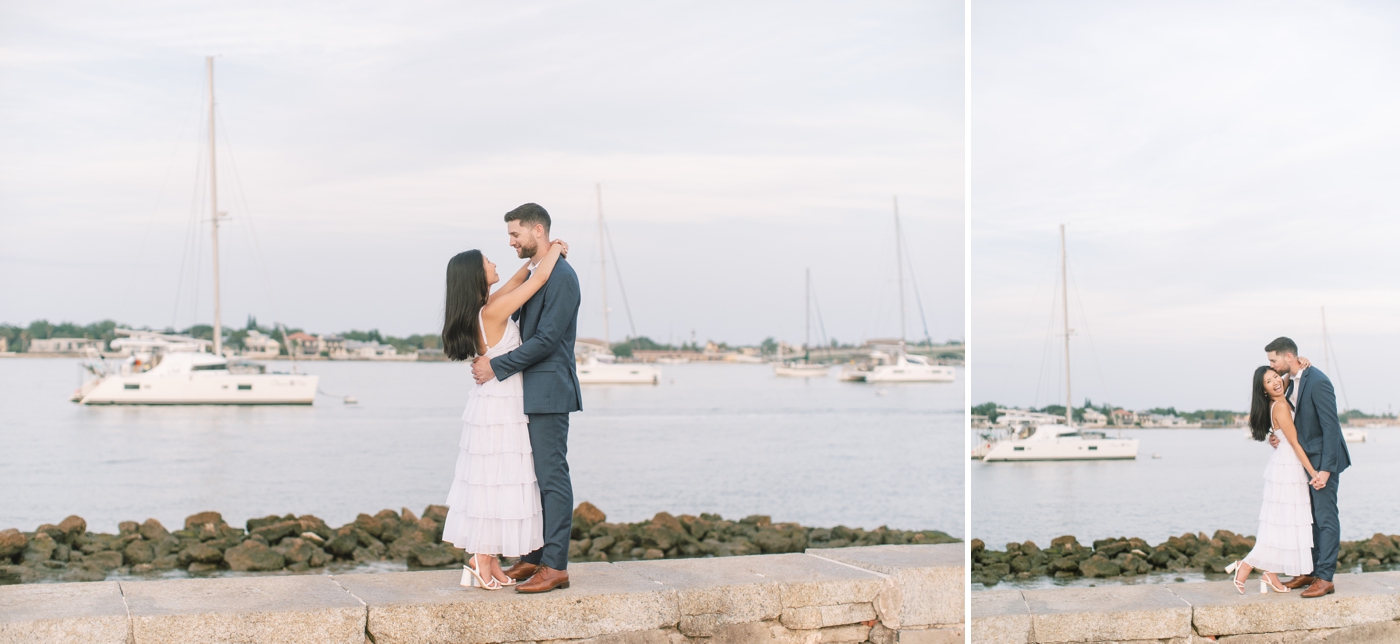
(1066, 558)
(710, 535)
(207, 545)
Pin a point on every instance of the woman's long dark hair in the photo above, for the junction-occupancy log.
(1261, 419)
(467, 291)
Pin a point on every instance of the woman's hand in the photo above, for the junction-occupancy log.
(563, 247)
(1304, 361)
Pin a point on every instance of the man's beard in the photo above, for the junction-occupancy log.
(527, 252)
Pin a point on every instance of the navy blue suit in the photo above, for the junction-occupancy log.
(1320, 435)
(545, 360)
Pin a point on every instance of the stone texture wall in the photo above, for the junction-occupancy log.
(1365, 608)
(879, 594)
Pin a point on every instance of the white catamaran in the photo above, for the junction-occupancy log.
(603, 369)
(177, 370)
(1056, 442)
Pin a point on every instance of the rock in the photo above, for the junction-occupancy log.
(141, 568)
(253, 556)
(997, 570)
(1062, 541)
(12, 542)
(435, 512)
(167, 562)
(370, 525)
(314, 538)
(128, 527)
(407, 541)
(653, 553)
(1097, 566)
(196, 521)
(105, 559)
(203, 567)
(431, 555)
(138, 552)
(757, 520)
(276, 531)
(53, 531)
(662, 532)
(295, 550)
(771, 541)
(1111, 549)
(601, 545)
(75, 526)
(319, 558)
(586, 515)
(254, 524)
(40, 548)
(314, 525)
(343, 545)
(85, 571)
(407, 516)
(152, 530)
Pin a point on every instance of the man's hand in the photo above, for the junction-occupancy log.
(481, 369)
(1320, 481)
(1273, 440)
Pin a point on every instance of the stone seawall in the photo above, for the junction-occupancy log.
(909, 594)
(1365, 609)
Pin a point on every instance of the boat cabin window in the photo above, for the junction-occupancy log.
(131, 385)
(245, 387)
(208, 367)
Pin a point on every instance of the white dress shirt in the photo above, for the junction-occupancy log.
(1297, 387)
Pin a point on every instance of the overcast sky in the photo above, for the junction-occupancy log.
(363, 144)
(1225, 170)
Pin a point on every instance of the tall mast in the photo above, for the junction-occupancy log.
(603, 265)
(807, 332)
(214, 213)
(899, 263)
(1064, 278)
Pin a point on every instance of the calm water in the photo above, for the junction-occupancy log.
(731, 439)
(1206, 480)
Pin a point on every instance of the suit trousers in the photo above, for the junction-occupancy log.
(1327, 528)
(549, 440)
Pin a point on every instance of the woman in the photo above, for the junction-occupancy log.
(494, 503)
(1284, 541)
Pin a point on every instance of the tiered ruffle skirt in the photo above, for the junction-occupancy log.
(494, 503)
(1284, 542)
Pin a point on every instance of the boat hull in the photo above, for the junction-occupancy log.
(1106, 449)
(204, 389)
(618, 374)
(910, 373)
(800, 372)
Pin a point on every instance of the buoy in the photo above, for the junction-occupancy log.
(350, 400)
(1156, 456)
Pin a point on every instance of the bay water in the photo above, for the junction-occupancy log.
(731, 439)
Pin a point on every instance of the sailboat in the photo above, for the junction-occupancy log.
(601, 368)
(901, 366)
(1056, 442)
(801, 368)
(1350, 435)
(169, 369)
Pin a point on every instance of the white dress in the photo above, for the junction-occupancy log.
(1284, 542)
(494, 503)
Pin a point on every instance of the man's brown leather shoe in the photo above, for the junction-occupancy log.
(545, 580)
(1301, 581)
(521, 570)
(1319, 588)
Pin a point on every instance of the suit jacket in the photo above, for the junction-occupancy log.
(1319, 432)
(548, 324)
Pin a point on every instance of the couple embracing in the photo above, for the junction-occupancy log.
(1294, 407)
(511, 495)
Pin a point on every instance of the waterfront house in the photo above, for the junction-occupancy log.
(356, 350)
(334, 346)
(4, 344)
(1094, 418)
(260, 345)
(66, 345)
(305, 344)
(1124, 418)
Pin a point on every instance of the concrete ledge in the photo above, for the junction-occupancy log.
(1365, 608)
(422, 607)
(869, 596)
(928, 588)
(90, 612)
(301, 608)
(1000, 617)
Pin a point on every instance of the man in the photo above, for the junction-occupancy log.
(545, 357)
(1320, 434)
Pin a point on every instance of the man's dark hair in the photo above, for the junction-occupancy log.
(1279, 345)
(528, 215)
